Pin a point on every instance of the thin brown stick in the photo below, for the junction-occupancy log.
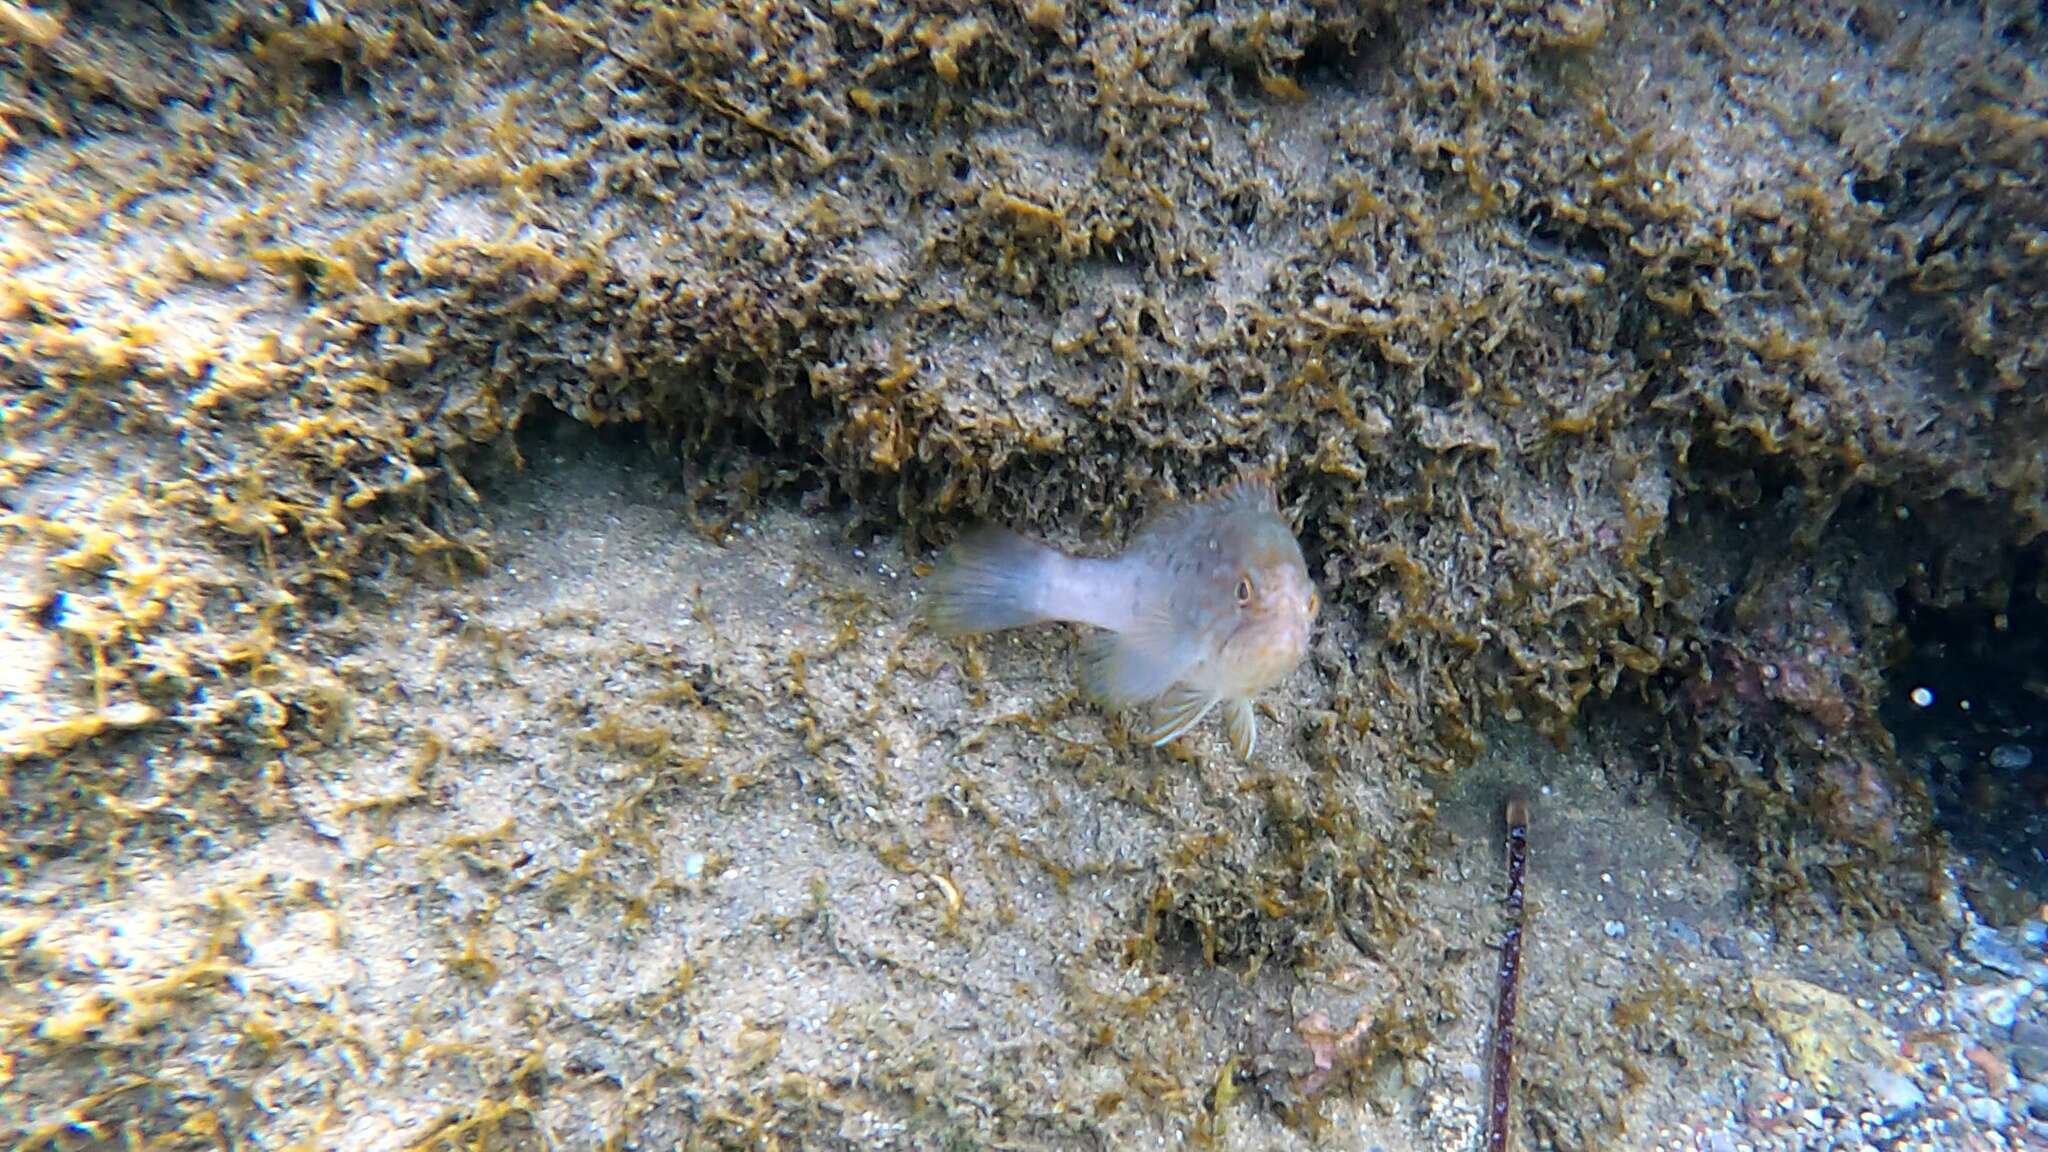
(1510, 979)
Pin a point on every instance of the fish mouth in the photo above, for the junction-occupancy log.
(1282, 650)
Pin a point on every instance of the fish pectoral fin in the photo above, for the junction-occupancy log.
(1180, 709)
(1119, 671)
(1241, 724)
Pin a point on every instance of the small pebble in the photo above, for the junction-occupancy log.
(693, 865)
(1897, 1092)
(2035, 933)
(1989, 1112)
(2030, 1050)
(1995, 1005)
(1989, 947)
(1684, 933)
(1725, 947)
(2011, 757)
(2037, 1101)
(1616, 929)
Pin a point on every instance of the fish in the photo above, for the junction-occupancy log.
(1208, 604)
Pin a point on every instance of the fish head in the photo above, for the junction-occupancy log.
(1255, 597)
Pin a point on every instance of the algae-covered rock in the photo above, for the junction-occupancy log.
(1500, 294)
(1663, 352)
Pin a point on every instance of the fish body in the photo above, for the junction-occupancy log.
(1209, 604)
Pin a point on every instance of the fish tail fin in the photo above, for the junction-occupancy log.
(989, 581)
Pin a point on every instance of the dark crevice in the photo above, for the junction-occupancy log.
(327, 79)
(1968, 706)
(1244, 205)
(1348, 57)
(719, 472)
(1340, 54)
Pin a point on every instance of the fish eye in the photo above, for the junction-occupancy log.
(1244, 589)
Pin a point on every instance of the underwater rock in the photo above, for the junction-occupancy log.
(1990, 947)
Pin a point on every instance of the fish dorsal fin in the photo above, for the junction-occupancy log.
(1252, 491)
